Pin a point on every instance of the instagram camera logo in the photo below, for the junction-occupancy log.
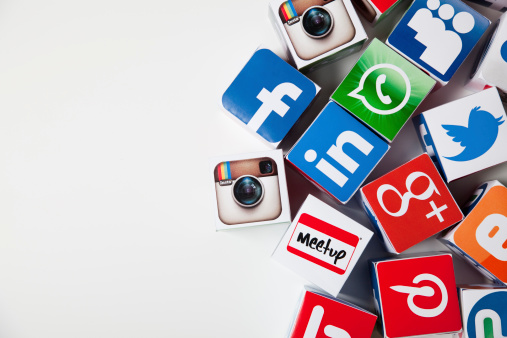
(316, 26)
(247, 191)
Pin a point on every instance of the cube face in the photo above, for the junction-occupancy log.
(383, 89)
(323, 317)
(466, 135)
(438, 35)
(374, 10)
(268, 96)
(322, 245)
(337, 152)
(417, 296)
(412, 203)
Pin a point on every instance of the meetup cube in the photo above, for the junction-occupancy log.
(322, 245)
(340, 32)
(438, 35)
(337, 152)
(375, 10)
(268, 96)
(383, 89)
(466, 135)
(482, 236)
(249, 189)
(320, 316)
(416, 296)
(410, 204)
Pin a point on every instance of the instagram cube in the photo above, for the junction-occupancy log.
(438, 35)
(322, 245)
(410, 204)
(466, 135)
(416, 296)
(315, 32)
(249, 189)
(321, 316)
(482, 236)
(484, 311)
(337, 152)
(268, 96)
(491, 68)
(383, 89)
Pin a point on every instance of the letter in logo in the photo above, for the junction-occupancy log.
(487, 316)
(380, 97)
(491, 235)
(272, 102)
(425, 291)
(314, 324)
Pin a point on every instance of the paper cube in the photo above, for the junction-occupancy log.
(249, 189)
(338, 31)
(410, 204)
(484, 311)
(337, 152)
(375, 10)
(383, 90)
(322, 245)
(320, 316)
(438, 35)
(466, 135)
(416, 296)
(268, 96)
(482, 236)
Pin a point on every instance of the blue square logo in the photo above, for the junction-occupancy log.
(269, 96)
(337, 152)
(438, 35)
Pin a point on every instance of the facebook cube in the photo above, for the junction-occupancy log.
(337, 152)
(268, 96)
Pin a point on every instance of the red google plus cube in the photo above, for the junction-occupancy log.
(410, 204)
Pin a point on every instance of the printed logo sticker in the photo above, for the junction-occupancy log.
(488, 317)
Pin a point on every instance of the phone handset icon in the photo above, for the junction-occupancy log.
(386, 99)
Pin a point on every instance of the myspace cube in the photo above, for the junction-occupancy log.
(383, 89)
(268, 96)
(466, 135)
(337, 152)
(438, 35)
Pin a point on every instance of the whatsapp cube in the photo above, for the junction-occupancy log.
(383, 90)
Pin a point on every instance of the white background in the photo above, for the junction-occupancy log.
(108, 115)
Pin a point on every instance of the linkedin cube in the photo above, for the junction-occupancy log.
(268, 96)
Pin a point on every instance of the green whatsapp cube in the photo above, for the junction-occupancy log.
(383, 89)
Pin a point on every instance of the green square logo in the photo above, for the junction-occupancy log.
(383, 89)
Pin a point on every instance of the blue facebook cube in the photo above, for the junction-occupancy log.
(268, 96)
(337, 152)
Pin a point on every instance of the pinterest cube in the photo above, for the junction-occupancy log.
(375, 11)
(416, 296)
(466, 135)
(337, 152)
(322, 245)
(410, 204)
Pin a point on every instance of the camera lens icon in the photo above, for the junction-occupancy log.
(317, 22)
(248, 191)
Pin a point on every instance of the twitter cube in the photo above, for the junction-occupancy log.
(337, 152)
(438, 35)
(268, 96)
(383, 90)
(410, 204)
(466, 135)
(481, 239)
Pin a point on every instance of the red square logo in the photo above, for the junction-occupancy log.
(418, 296)
(412, 203)
(322, 317)
(383, 5)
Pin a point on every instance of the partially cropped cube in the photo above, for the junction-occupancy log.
(497, 5)
(416, 296)
(375, 11)
(383, 89)
(322, 245)
(320, 316)
(466, 135)
(482, 236)
(337, 152)
(410, 204)
(249, 189)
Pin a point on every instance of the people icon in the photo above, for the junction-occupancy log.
(440, 52)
